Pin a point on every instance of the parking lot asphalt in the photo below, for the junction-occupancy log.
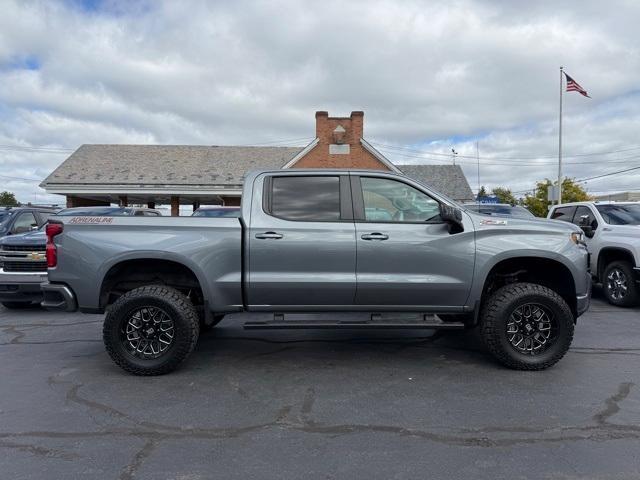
(317, 404)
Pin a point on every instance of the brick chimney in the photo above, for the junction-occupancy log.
(339, 144)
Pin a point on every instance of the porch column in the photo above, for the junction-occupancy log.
(175, 206)
(123, 200)
(196, 205)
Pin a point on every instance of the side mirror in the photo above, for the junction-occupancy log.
(588, 231)
(453, 217)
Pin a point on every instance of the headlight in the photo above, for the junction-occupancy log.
(577, 238)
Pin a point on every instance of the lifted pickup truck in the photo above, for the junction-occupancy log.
(612, 231)
(389, 250)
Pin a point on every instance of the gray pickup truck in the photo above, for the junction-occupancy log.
(388, 250)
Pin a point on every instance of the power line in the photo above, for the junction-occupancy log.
(511, 164)
(20, 148)
(473, 157)
(608, 174)
(21, 178)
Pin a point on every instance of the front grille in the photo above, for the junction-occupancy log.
(23, 248)
(25, 266)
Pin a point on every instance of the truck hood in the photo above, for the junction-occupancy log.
(534, 224)
(38, 238)
(629, 232)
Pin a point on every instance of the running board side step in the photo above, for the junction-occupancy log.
(354, 321)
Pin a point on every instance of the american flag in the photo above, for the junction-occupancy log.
(573, 86)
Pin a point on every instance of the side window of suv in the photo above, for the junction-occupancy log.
(563, 213)
(25, 222)
(584, 217)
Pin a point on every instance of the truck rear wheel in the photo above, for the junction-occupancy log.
(527, 326)
(619, 285)
(151, 330)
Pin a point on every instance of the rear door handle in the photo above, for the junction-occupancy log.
(269, 236)
(374, 236)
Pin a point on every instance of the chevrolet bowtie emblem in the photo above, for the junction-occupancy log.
(36, 256)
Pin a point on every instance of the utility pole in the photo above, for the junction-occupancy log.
(478, 160)
(453, 155)
(560, 144)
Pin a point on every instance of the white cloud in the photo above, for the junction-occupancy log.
(246, 72)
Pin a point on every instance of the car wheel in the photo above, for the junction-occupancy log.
(151, 330)
(526, 326)
(16, 305)
(619, 285)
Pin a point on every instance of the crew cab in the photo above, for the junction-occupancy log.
(388, 250)
(612, 231)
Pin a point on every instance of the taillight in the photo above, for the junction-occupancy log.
(52, 229)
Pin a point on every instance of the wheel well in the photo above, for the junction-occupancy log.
(130, 274)
(542, 271)
(612, 254)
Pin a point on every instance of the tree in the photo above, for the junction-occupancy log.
(482, 192)
(504, 195)
(8, 199)
(538, 203)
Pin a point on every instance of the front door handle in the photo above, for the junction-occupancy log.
(269, 236)
(374, 236)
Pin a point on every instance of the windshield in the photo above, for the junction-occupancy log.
(505, 210)
(621, 214)
(95, 212)
(217, 212)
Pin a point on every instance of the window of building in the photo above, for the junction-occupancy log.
(308, 198)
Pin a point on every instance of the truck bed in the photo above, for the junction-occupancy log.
(210, 247)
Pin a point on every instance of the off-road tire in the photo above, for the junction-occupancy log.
(176, 305)
(17, 305)
(632, 297)
(495, 316)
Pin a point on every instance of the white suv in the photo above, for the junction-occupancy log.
(612, 231)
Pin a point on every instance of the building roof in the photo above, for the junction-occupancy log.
(447, 179)
(165, 164)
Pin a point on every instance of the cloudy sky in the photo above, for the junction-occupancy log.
(429, 75)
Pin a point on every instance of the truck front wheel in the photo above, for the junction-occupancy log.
(526, 326)
(151, 330)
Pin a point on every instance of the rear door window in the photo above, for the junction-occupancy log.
(308, 198)
(564, 213)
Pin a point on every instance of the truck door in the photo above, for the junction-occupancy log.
(301, 241)
(405, 254)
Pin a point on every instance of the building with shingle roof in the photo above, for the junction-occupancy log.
(448, 179)
(193, 174)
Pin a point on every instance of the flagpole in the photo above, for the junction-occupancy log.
(560, 145)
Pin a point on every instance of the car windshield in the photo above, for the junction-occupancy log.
(217, 212)
(95, 212)
(503, 210)
(621, 214)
